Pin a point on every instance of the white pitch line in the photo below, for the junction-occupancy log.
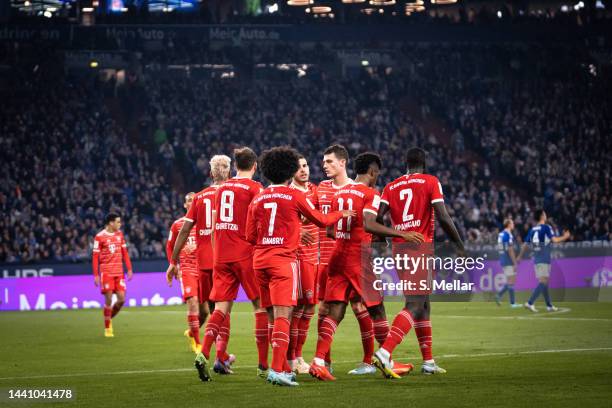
(565, 319)
(174, 370)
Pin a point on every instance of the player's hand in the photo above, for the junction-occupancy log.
(97, 281)
(129, 275)
(171, 272)
(413, 237)
(306, 238)
(305, 221)
(566, 234)
(348, 213)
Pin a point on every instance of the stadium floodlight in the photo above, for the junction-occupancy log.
(368, 10)
(417, 9)
(382, 2)
(415, 3)
(443, 1)
(321, 9)
(353, 1)
(87, 9)
(299, 2)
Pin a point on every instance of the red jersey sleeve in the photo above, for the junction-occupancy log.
(308, 210)
(315, 196)
(385, 195)
(95, 259)
(371, 202)
(172, 240)
(124, 253)
(192, 214)
(436, 191)
(251, 227)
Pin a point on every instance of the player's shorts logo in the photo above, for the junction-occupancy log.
(309, 294)
(188, 289)
(106, 286)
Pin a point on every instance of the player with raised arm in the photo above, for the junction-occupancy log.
(109, 254)
(540, 238)
(274, 228)
(201, 215)
(307, 258)
(508, 261)
(189, 275)
(414, 200)
(233, 260)
(335, 160)
(350, 273)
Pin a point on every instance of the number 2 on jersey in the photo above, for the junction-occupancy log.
(407, 195)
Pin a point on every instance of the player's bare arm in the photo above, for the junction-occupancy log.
(371, 225)
(447, 224)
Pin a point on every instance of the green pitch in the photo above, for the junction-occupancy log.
(494, 356)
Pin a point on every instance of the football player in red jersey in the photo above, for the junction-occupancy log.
(413, 200)
(201, 215)
(189, 276)
(350, 274)
(307, 257)
(233, 260)
(273, 227)
(109, 253)
(335, 160)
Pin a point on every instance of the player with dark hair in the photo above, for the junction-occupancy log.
(350, 275)
(508, 261)
(335, 161)
(307, 257)
(109, 254)
(233, 261)
(201, 214)
(413, 200)
(539, 238)
(273, 226)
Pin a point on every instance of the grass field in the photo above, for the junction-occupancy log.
(494, 357)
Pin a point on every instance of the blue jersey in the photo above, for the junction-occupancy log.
(504, 242)
(540, 239)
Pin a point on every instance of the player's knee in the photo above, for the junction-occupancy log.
(377, 312)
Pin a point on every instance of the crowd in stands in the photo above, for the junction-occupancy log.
(508, 129)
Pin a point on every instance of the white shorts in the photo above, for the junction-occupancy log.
(509, 271)
(542, 270)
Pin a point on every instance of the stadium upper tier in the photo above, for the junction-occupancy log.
(508, 128)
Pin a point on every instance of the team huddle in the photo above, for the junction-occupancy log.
(293, 245)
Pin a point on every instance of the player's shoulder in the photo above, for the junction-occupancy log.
(325, 184)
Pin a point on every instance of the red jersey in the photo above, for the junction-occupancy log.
(110, 249)
(201, 213)
(187, 259)
(325, 195)
(410, 199)
(232, 205)
(309, 253)
(274, 224)
(359, 198)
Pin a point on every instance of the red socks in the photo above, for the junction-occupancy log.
(367, 335)
(211, 331)
(280, 344)
(303, 326)
(327, 329)
(261, 338)
(327, 357)
(193, 321)
(422, 328)
(107, 316)
(223, 339)
(381, 330)
(401, 326)
(293, 339)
